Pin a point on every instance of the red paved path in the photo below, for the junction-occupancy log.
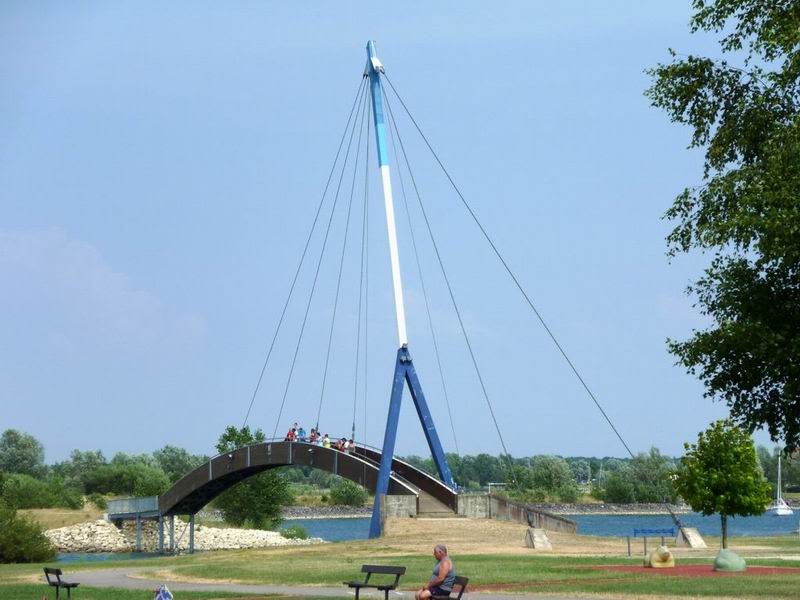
(699, 570)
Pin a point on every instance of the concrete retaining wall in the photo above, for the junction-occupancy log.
(508, 510)
(399, 506)
(484, 506)
(473, 506)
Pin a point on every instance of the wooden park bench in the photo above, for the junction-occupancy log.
(377, 570)
(58, 583)
(459, 587)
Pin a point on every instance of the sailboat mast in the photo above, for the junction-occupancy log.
(374, 70)
(779, 474)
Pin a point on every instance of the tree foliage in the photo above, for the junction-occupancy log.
(133, 478)
(21, 453)
(256, 501)
(347, 493)
(22, 540)
(643, 479)
(78, 468)
(545, 478)
(790, 469)
(177, 462)
(745, 214)
(23, 491)
(721, 474)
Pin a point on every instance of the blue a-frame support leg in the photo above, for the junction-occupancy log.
(404, 371)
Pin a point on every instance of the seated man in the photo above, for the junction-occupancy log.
(443, 577)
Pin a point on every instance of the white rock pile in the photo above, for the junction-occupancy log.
(95, 536)
(103, 536)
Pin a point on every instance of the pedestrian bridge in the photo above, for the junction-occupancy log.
(199, 487)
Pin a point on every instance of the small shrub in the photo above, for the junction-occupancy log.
(346, 493)
(22, 540)
(323, 498)
(295, 532)
(98, 500)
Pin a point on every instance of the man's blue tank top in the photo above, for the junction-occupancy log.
(450, 579)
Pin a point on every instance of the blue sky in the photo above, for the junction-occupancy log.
(161, 164)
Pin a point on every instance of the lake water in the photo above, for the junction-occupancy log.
(333, 530)
(603, 525)
(72, 557)
(622, 525)
(336, 530)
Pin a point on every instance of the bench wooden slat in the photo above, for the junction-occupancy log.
(378, 570)
(459, 583)
(383, 570)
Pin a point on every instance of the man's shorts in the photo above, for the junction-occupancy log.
(438, 591)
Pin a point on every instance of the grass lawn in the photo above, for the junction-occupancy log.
(540, 574)
(491, 554)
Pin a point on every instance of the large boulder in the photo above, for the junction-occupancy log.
(660, 558)
(729, 562)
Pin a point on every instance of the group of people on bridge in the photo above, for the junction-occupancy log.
(297, 433)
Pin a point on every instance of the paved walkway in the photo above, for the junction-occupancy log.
(128, 578)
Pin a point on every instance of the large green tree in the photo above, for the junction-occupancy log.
(177, 462)
(21, 453)
(645, 478)
(256, 501)
(745, 214)
(720, 474)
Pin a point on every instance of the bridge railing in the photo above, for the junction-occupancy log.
(130, 506)
(283, 439)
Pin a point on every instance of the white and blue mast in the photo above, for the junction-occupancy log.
(404, 367)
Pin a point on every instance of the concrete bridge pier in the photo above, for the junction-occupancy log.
(138, 533)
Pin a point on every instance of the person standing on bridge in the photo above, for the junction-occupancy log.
(326, 441)
(442, 578)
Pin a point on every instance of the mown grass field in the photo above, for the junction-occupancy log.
(331, 564)
(491, 553)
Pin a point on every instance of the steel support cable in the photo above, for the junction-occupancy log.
(422, 282)
(511, 274)
(452, 297)
(361, 282)
(341, 265)
(305, 251)
(316, 277)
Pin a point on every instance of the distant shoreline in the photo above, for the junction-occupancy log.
(612, 509)
(326, 512)
(342, 512)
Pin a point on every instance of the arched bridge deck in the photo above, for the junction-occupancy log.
(191, 493)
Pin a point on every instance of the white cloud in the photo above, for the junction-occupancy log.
(49, 278)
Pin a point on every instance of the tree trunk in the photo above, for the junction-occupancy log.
(724, 519)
